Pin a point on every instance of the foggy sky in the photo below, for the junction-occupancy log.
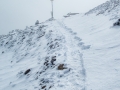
(17, 14)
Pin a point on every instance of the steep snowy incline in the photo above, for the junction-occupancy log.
(102, 60)
(110, 7)
(42, 57)
(79, 52)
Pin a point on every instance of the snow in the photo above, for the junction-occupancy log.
(80, 52)
(41, 49)
(102, 60)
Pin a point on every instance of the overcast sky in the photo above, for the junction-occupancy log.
(17, 14)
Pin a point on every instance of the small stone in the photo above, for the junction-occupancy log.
(61, 67)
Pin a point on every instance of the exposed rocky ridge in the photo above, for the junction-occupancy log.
(47, 58)
(107, 8)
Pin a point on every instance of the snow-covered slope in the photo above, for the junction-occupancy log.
(47, 56)
(102, 60)
(80, 52)
(106, 8)
(110, 8)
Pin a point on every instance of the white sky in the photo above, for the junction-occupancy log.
(17, 14)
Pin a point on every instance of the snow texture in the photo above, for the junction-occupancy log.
(80, 52)
(42, 57)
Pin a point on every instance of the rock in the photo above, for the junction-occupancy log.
(43, 87)
(61, 67)
(27, 71)
(53, 60)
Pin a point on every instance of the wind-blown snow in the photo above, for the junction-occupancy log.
(42, 57)
(102, 60)
(79, 52)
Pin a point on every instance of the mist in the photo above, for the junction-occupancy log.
(17, 14)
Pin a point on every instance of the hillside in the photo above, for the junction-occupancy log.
(102, 60)
(42, 57)
(79, 52)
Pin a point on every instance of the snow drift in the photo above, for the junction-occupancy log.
(80, 52)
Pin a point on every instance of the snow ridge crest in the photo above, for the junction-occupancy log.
(105, 8)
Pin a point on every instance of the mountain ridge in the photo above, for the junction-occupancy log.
(80, 52)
